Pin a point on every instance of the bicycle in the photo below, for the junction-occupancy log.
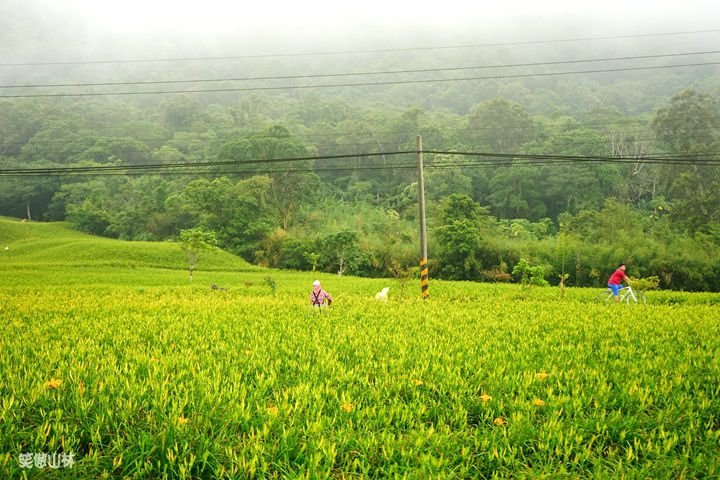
(627, 295)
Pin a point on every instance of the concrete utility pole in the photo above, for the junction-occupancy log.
(423, 229)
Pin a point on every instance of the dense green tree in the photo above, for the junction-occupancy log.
(443, 179)
(26, 197)
(138, 210)
(340, 251)
(500, 126)
(689, 124)
(690, 127)
(179, 112)
(288, 188)
(237, 212)
(85, 204)
(517, 193)
(459, 237)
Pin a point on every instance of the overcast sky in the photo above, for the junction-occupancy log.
(68, 29)
(126, 16)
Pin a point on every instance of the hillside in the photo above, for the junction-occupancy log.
(56, 244)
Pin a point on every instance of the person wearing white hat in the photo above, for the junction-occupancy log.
(319, 297)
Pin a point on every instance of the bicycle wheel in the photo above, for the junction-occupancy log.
(641, 298)
(602, 297)
(628, 295)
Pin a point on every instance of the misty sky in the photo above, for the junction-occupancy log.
(112, 29)
(183, 17)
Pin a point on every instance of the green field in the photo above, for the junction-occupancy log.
(109, 352)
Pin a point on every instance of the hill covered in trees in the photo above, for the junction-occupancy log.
(528, 159)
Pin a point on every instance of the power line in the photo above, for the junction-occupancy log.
(148, 153)
(360, 84)
(354, 52)
(579, 144)
(426, 131)
(405, 166)
(495, 159)
(581, 141)
(366, 73)
(576, 158)
(202, 164)
(430, 130)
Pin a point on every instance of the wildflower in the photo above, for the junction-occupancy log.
(347, 407)
(485, 397)
(500, 421)
(417, 382)
(182, 420)
(53, 383)
(273, 410)
(542, 375)
(538, 403)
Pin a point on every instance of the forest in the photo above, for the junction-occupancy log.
(309, 163)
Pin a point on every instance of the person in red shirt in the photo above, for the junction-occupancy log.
(615, 279)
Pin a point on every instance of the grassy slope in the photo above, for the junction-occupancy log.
(32, 243)
(53, 255)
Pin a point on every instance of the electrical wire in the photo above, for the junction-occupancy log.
(429, 130)
(495, 159)
(366, 73)
(543, 138)
(354, 52)
(359, 84)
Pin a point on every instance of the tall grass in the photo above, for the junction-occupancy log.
(143, 375)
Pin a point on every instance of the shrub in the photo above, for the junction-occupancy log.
(528, 275)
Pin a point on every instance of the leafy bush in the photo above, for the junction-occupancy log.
(644, 284)
(528, 275)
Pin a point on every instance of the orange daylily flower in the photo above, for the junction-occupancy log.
(538, 403)
(53, 383)
(347, 407)
(500, 421)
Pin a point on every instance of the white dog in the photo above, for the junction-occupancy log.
(381, 296)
